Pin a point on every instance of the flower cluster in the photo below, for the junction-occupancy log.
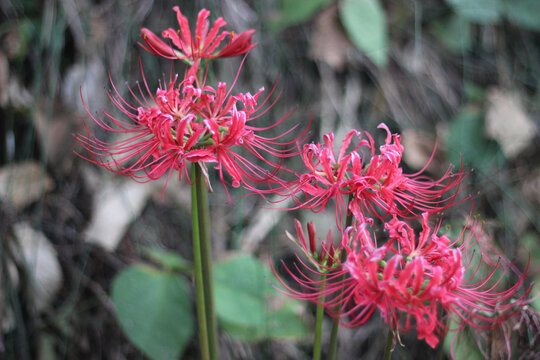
(187, 120)
(375, 183)
(409, 279)
(413, 281)
(204, 45)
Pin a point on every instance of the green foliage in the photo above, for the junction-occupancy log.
(297, 11)
(242, 292)
(479, 11)
(532, 247)
(524, 12)
(466, 141)
(365, 23)
(454, 33)
(463, 347)
(154, 310)
(168, 260)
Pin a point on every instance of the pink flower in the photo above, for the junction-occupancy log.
(186, 121)
(381, 185)
(325, 256)
(204, 44)
(411, 280)
(324, 264)
(373, 184)
(327, 176)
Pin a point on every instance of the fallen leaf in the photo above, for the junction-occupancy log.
(4, 79)
(262, 222)
(18, 96)
(531, 186)
(7, 318)
(419, 147)
(55, 134)
(329, 42)
(115, 207)
(41, 262)
(23, 183)
(508, 123)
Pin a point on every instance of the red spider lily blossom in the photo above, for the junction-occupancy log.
(204, 44)
(376, 187)
(323, 258)
(188, 121)
(410, 279)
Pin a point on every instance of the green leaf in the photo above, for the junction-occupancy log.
(240, 289)
(478, 11)
(464, 347)
(281, 324)
(466, 141)
(297, 11)
(168, 259)
(524, 12)
(242, 292)
(364, 21)
(154, 310)
(454, 33)
(529, 243)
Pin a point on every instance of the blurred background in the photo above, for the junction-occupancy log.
(461, 76)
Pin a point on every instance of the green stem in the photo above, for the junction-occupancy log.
(317, 343)
(332, 351)
(389, 344)
(206, 256)
(199, 278)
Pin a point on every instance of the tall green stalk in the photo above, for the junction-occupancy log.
(389, 344)
(317, 342)
(206, 257)
(197, 259)
(332, 352)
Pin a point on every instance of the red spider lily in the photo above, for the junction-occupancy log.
(204, 44)
(377, 187)
(411, 280)
(327, 177)
(188, 121)
(323, 258)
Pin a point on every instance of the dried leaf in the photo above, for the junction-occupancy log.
(4, 79)
(55, 134)
(328, 42)
(531, 186)
(18, 96)
(115, 206)
(23, 183)
(42, 264)
(7, 318)
(418, 150)
(508, 123)
(261, 224)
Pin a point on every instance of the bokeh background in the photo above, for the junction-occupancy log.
(461, 76)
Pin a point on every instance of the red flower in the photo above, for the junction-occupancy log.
(327, 177)
(325, 257)
(187, 121)
(204, 44)
(324, 264)
(376, 187)
(410, 280)
(382, 185)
